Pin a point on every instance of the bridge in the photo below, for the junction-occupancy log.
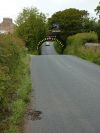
(49, 38)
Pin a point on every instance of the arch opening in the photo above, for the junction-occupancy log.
(52, 39)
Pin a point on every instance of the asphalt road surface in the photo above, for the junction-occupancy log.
(48, 49)
(67, 91)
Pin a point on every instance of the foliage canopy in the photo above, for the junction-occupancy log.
(31, 26)
(71, 20)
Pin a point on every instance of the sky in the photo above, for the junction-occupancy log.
(11, 8)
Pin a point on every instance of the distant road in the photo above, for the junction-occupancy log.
(67, 91)
(48, 49)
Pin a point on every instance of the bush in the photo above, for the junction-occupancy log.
(58, 47)
(13, 77)
(98, 30)
(82, 38)
(90, 54)
(76, 47)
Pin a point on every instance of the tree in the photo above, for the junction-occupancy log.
(71, 21)
(31, 26)
(90, 24)
(97, 10)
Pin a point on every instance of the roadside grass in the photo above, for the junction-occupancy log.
(76, 47)
(90, 54)
(19, 106)
(33, 52)
(15, 83)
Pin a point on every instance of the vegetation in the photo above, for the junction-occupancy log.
(98, 30)
(31, 27)
(82, 38)
(76, 47)
(58, 47)
(71, 21)
(90, 24)
(90, 54)
(14, 83)
(97, 10)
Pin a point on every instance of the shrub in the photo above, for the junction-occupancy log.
(76, 47)
(10, 60)
(82, 38)
(58, 47)
(98, 29)
(14, 77)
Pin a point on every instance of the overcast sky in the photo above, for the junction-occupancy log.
(11, 8)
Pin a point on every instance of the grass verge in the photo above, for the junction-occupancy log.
(90, 54)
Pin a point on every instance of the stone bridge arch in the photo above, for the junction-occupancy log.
(49, 39)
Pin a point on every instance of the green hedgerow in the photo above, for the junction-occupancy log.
(82, 38)
(76, 46)
(15, 83)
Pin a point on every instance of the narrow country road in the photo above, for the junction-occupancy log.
(67, 91)
(48, 49)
